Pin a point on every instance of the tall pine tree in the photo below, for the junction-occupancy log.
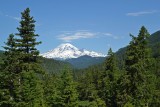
(137, 65)
(52, 94)
(26, 44)
(67, 87)
(8, 73)
(22, 66)
(26, 41)
(109, 80)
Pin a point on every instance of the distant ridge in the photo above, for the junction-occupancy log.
(85, 61)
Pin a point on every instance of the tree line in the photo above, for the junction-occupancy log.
(25, 83)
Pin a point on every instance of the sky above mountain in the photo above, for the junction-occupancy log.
(92, 24)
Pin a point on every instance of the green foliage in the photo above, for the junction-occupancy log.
(52, 66)
(153, 43)
(30, 90)
(51, 92)
(137, 65)
(60, 91)
(89, 84)
(96, 103)
(27, 40)
(135, 84)
(26, 43)
(8, 72)
(20, 85)
(85, 61)
(69, 95)
(108, 80)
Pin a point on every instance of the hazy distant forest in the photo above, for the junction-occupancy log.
(128, 79)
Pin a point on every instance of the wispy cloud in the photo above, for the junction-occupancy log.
(9, 16)
(70, 36)
(38, 24)
(111, 35)
(13, 17)
(140, 13)
(107, 34)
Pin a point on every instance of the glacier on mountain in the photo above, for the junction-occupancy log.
(68, 51)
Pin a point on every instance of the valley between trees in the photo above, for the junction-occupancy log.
(128, 78)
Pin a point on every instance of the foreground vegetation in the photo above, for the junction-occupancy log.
(24, 82)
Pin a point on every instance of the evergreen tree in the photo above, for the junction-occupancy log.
(89, 87)
(109, 78)
(21, 67)
(137, 66)
(52, 93)
(30, 91)
(29, 63)
(8, 72)
(156, 92)
(26, 42)
(69, 95)
(110, 65)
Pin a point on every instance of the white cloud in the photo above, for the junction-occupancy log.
(111, 35)
(74, 31)
(69, 36)
(12, 17)
(38, 24)
(16, 18)
(141, 13)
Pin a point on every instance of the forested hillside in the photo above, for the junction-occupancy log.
(49, 65)
(124, 69)
(52, 66)
(1, 55)
(153, 43)
(85, 61)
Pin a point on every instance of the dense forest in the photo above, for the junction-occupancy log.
(127, 78)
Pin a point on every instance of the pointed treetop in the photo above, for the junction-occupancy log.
(143, 33)
(25, 13)
(110, 52)
(10, 40)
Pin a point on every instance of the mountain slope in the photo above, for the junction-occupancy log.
(155, 38)
(154, 44)
(68, 51)
(53, 66)
(1, 56)
(85, 61)
(49, 65)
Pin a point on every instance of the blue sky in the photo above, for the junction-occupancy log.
(91, 24)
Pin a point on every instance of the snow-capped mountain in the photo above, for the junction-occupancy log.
(68, 51)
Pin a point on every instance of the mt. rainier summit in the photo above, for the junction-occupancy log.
(68, 51)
